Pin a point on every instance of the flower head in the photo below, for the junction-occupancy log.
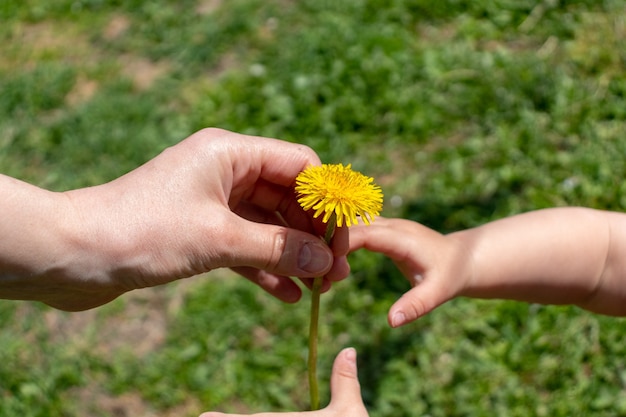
(338, 189)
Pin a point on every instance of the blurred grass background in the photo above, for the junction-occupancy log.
(464, 111)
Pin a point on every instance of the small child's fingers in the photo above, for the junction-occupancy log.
(391, 237)
(421, 254)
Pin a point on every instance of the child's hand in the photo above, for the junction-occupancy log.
(435, 265)
(345, 393)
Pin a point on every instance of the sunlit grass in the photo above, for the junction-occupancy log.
(462, 111)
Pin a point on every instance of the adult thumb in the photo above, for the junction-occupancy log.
(277, 249)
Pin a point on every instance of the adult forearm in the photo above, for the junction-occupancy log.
(40, 248)
(552, 256)
(29, 230)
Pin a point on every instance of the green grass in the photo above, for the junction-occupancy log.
(464, 111)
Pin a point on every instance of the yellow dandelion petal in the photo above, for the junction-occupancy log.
(335, 188)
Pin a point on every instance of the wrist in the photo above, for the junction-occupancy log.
(30, 230)
(463, 263)
(97, 251)
(120, 244)
(85, 270)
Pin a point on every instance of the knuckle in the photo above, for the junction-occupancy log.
(279, 246)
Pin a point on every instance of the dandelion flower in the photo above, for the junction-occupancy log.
(338, 189)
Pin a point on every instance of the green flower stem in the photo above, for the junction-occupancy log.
(312, 364)
(313, 326)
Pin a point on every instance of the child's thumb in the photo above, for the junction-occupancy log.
(344, 383)
(421, 299)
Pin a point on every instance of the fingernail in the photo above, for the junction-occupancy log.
(351, 354)
(314, 258)
(418, 278)
(398, 319)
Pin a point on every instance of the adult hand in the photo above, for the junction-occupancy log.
(216, 199)
(345, 393)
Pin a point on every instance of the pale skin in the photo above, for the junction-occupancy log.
(345, 392)
(216, 199)
(567, 255)
(558, 256)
